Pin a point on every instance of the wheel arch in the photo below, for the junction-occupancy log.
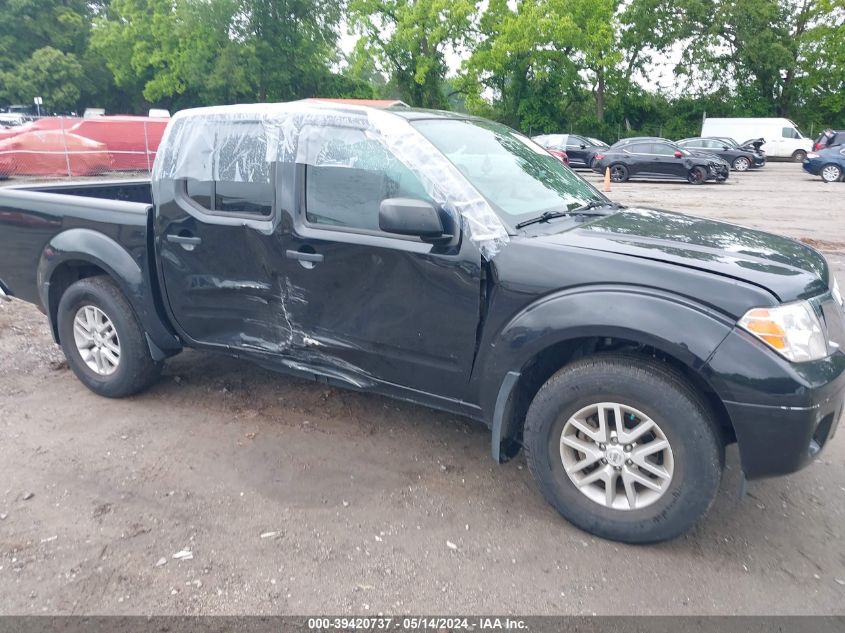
(683, 336)
(80, 253)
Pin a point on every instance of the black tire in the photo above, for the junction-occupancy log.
(659, 392)
(742, 163)
(831, 172)
(618, 173)
(136, 370)
(697, 176)
(799, 155)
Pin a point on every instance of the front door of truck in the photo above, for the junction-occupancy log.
(377, 305)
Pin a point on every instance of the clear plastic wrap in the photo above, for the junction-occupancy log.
(238, 143)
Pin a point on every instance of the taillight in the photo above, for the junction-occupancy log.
(599, 156)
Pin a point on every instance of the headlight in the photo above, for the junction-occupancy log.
(793, 330)
(837, 295)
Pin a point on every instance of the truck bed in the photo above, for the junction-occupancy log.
(32, 216)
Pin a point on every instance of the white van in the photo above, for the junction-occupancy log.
(782, 137)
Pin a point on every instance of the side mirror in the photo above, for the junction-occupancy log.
(679, 154)
(407, 216)
(583, 146)
(725, 147)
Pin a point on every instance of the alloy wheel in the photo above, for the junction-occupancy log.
(616, 456)
(741, 164)
(831, 173)
(96, 340)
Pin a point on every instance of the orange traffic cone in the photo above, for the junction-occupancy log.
(606, 179)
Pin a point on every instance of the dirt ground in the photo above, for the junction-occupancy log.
(298, 498)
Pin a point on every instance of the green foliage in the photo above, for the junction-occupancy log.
(409, 40)
(539, 65)
(48, 73)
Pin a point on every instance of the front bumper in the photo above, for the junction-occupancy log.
(783, 414)
(812, 166)
(717, 171)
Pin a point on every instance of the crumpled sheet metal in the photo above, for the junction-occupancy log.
(238, 143)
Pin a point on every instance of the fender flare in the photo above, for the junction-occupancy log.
(677, 326)
(93, 247)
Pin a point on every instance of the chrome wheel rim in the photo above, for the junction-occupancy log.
(96, 340)
(616, 456)
(830, 173)
(741, 164)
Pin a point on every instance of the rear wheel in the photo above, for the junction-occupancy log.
(624, 448)
(799, 155)
(741, 163)
(102, 339)
(831, 173)
(697, 175)
(618, 173)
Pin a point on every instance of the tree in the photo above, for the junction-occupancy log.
(48, 73)
(410, 39)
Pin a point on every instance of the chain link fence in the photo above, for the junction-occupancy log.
(72, 147)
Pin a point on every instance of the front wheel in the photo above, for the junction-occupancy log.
(831, 173)
(102, 339)
(624, 448)
(799, 155)
(741, 163)
(697, 176)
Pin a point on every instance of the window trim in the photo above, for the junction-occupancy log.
(184, 199)
(336, 232)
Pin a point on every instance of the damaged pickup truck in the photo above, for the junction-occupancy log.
(449, 261)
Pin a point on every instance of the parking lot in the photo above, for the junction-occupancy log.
(227, 489)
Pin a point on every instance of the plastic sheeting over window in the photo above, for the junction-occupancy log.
(237, 143)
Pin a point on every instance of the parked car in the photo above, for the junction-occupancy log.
(580, 150)
(828, 163)
(560, 155)
(622, 142)
(829, 138)
(661, 160)
(52, 153)
(447, 260)
(737, 158)
(782, 137)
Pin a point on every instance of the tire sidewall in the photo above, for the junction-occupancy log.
(697, 460)
(693, 179)
(741, 160)
(623, 171)
(799, 155)
(90, 292)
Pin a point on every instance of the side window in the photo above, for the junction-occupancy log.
(638, 148)
(348, 179)
(234, 197)
(789, 132)
(662, 149)
(243, 185)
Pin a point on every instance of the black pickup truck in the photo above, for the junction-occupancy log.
(449, 261)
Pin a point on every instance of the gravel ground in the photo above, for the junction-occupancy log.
(297, 498)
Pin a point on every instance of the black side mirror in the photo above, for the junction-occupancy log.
(725, 147)
(583, 146)
(406, 216)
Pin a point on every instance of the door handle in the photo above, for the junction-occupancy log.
(314, 258)
(184, 239)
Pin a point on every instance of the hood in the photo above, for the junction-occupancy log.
(788, 269)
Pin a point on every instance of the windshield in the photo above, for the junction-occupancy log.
(517, 177)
